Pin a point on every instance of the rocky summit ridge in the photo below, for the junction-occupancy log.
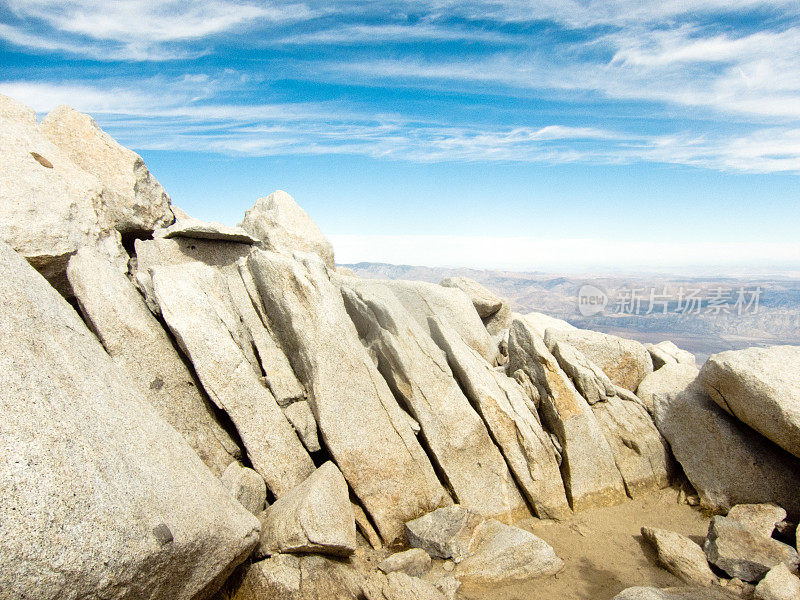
(191, 410)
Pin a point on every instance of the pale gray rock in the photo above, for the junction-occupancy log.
(304, 423)
(13, 111)
(761, 388)
(626, 362)
(193, 316)
(423, 300)
(741, 554)
(49, 207)
(444, 533)
(640, 453)
(200, 230)
(359, 419)
(415, 562)
(485, 302)
(668, 381)
(449, 586)
(514, 427)
(283, 226)
(665, 353)
(280, 377)
(680, 556)
(326, 578)
(418, 374)
(502, 553)
(100, 497)
(497, 324)
(591, 477)
(178, 251)
(246, 486)
(688, 593)
(315, 516)
(243, 316)
(136, 341)
(541, 322)
(759, 519)
(135, 201)
(365, 527)
(290, 577)
(589, 379)
(399, 586)
(778, 584)
(276, 578)
(726, 462)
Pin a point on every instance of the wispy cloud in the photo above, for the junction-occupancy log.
(191, 118)
(406, 33)
(135, 30)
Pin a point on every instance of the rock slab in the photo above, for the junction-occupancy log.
(100, 496)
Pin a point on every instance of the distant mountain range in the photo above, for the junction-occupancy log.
(702, 315)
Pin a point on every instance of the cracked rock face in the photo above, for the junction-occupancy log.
(83, 450)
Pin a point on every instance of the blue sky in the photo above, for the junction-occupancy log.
(553, 135)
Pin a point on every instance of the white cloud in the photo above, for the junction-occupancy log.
(136, 30)
(589, 13)
(190, 117)
(422, 31)
(579, 254)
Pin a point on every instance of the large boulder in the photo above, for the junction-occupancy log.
(727, 462)
(444, 533)
(189, 305)
(640, 453)
(484, 301)
(418, 374)
(502, 553)
(135, 201)
(423, 300)
(100, 496)
(283, 226)
(362, 426)
(512, 421)
(759, 519)
(779, 584)
(760, 387)
(314, 517)
(669, 380)
(745, 555)
(137, 342)
(680, 556)
(49, 207)
(626, 362)
(590, 474)
(667, 353)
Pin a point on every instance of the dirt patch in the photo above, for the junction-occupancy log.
(603, 551)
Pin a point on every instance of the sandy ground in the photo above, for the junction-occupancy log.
(603, 551)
